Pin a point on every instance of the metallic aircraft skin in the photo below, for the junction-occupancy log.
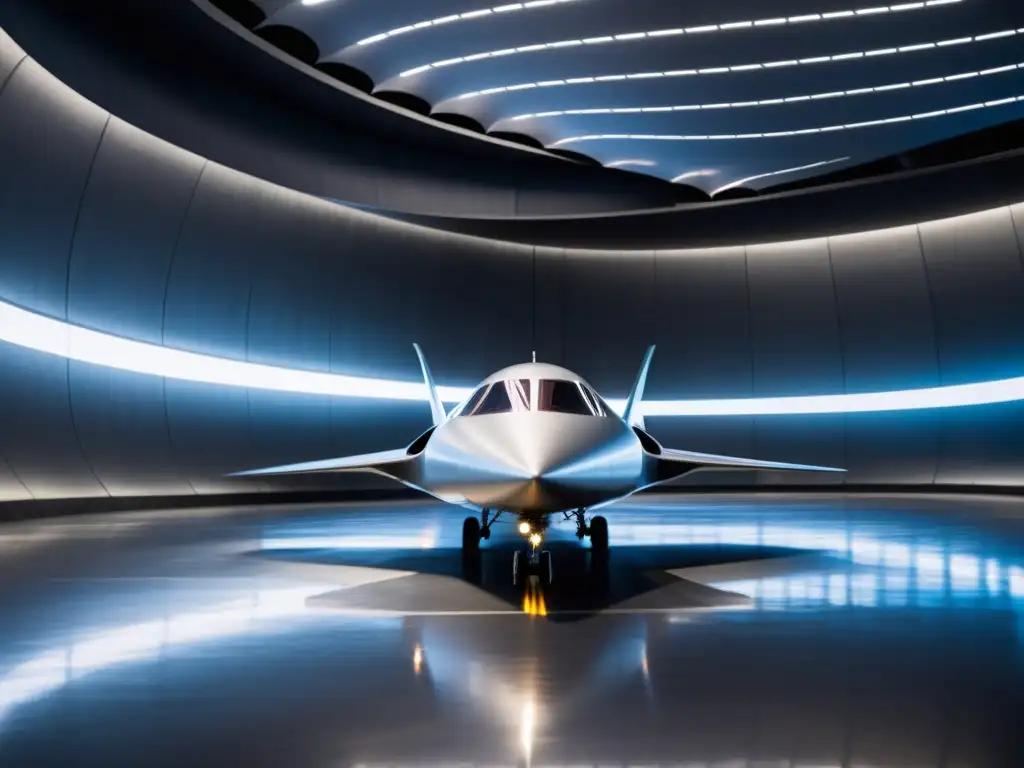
(532, 462)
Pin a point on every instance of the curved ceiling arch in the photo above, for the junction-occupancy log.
(1002, 102)
(702, 29)
(770, 101)
(746, 67)
(648, 69)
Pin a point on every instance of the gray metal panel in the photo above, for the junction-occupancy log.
(977, 285)
(796, 351)
(289, 324)
(703, 336)
(549, 274)
(610, 316)
(10, 55)
(48, 138)
(127, 232)
(121, 422)
(206, 311)
(885, 318)
(38, 438)
(117, 278)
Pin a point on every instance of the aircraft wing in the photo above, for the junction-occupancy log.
(672, 463)
(394, 463)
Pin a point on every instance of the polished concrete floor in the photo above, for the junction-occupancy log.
(732, 632)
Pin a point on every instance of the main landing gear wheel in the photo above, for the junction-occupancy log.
(470, 538)
(599, 535)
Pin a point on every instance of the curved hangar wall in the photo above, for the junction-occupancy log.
(107, 227)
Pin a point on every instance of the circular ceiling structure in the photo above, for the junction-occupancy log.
(715, 96)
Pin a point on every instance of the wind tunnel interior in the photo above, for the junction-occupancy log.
(107, 227)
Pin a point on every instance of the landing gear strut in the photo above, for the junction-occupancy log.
(534, 561)
(597, 530)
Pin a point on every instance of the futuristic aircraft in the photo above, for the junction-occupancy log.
(533, 440)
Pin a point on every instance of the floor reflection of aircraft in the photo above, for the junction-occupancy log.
(533, 440)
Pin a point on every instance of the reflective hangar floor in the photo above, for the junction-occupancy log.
(732, 632)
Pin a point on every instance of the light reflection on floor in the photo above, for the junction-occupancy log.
(889, 575)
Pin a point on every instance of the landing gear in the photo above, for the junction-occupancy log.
(599, 536)
(470, 538)
(597, 530)
(534, 561)
(474, 529)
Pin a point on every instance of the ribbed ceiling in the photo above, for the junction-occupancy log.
(714, 95)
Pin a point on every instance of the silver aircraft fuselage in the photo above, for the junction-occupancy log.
(532, 462)
(533, 439)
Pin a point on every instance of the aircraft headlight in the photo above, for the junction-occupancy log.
(524, 528)
(535, 540)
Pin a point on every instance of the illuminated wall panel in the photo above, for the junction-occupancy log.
(977, 286)
(117, 276)
(136, 237)
(796, 348)
(888, 338)
(610, 316)
(704, 349)
(49, 138)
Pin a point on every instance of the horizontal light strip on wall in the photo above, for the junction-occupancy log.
(660, 33)
(442, 20)
(743, 67)
(799, 168)
(44, 334)
(776, 134)
(767, 102)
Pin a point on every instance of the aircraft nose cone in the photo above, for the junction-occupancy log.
(536, 451)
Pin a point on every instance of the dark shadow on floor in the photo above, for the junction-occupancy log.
(628, 577)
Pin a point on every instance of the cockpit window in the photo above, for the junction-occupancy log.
(559, 396)
(508, 396)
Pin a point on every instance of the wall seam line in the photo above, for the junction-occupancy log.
(3, 86)
(67, 300)
(935, 342)
(750, 348)
(10, 75)
(163, 320)
(842, 352)
(1016, 235)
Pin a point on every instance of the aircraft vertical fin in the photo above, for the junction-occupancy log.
(436, 406)
(632, 415)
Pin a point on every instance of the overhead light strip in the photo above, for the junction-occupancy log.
(497, 10)
(778, 134)
(784, 171)
(676, 31)
(625, 163)
(741, 67)
(766, 102)
(56, 337)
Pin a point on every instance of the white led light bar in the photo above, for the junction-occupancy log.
(454, 17)
(742, 67)
(777, 134)
(738, 182)
(657, 33)
(766, 102)
(43, 334)
(625, 163)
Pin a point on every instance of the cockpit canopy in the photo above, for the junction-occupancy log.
(522, 395)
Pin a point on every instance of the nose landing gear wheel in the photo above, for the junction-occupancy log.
(524, 566)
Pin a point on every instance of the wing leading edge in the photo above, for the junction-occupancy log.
(669, 464)
(386, 462)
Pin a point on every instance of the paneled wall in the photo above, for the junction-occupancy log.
(110, 228)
